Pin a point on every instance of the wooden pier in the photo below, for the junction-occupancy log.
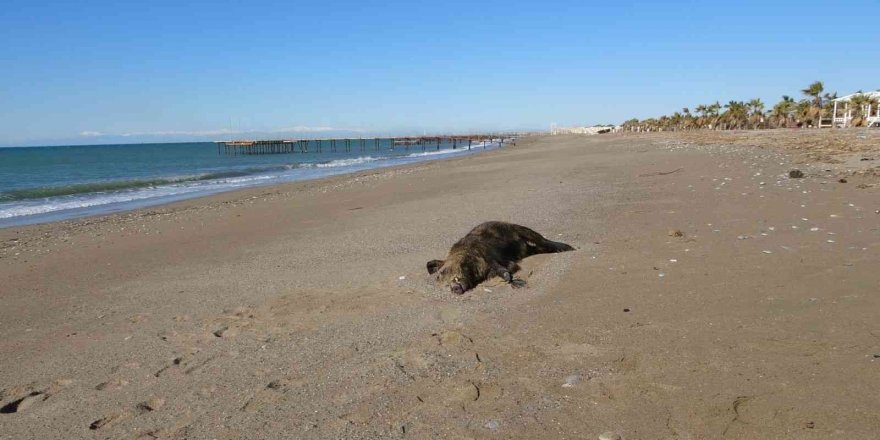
(289, 146)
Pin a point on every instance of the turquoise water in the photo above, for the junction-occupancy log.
(40, 184)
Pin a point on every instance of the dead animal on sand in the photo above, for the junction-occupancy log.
(490, 249)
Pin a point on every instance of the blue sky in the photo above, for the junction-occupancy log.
(98, 72)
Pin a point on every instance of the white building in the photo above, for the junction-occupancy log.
(555, 130)
(845, 117)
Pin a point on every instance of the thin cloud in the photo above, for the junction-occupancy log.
(182, 133)
(303, 129)
(227, 132)
(90, 133)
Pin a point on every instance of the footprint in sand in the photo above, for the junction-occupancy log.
(151, 404)
(31, 396)
(22, 404)
(112, 384)
(452, 338)
(271, 393)
(225, 332)
(234, 321)
(186, 364)
(105, 421)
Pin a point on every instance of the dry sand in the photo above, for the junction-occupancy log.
(304, 310)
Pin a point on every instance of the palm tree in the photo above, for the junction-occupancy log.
(714, 116)
(663, 123)
(783, 110)
(814, 91)
(736, 116)
(859, 104)
(804, 111)
(756, 112)
(675, 121)
(703, 111)
(828, 108)
(630, 125)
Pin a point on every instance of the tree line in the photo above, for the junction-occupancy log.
(815, 106)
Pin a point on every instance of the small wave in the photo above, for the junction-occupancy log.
(347, 162)
(33, 207)
(120, 185)
(435, 153)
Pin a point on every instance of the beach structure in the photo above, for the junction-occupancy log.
(287, 146)
(863, 103)
(596, 129)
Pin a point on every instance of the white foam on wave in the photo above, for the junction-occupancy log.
(434, 153)
(44, 206)
(475, 145)
(80, 201)
(347, 162)
(239, 180)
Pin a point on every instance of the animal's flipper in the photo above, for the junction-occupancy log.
(556, 246)
(501, 271)
(545, 246)
(537, 244)
(506, 273)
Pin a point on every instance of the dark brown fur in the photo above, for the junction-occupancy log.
(490, 249)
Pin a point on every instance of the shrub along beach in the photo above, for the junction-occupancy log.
(815, 109)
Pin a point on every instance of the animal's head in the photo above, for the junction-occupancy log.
(457, 272)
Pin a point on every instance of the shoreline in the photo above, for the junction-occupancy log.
(104, 210)
(304, 309)
(14, 239)
(87, 200)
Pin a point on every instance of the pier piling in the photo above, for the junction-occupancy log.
(287, 146)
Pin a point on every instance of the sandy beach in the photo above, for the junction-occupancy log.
(710, 296)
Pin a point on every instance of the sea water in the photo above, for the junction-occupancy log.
(41, 184)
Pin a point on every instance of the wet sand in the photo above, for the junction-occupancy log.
(304, 310)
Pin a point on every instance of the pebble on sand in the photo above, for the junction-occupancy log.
(796, 174)
(610, 435)
(492, 424)
(571, 381)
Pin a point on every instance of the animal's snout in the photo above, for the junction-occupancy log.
(457, 288)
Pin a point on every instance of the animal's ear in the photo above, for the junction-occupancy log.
(434, 266)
